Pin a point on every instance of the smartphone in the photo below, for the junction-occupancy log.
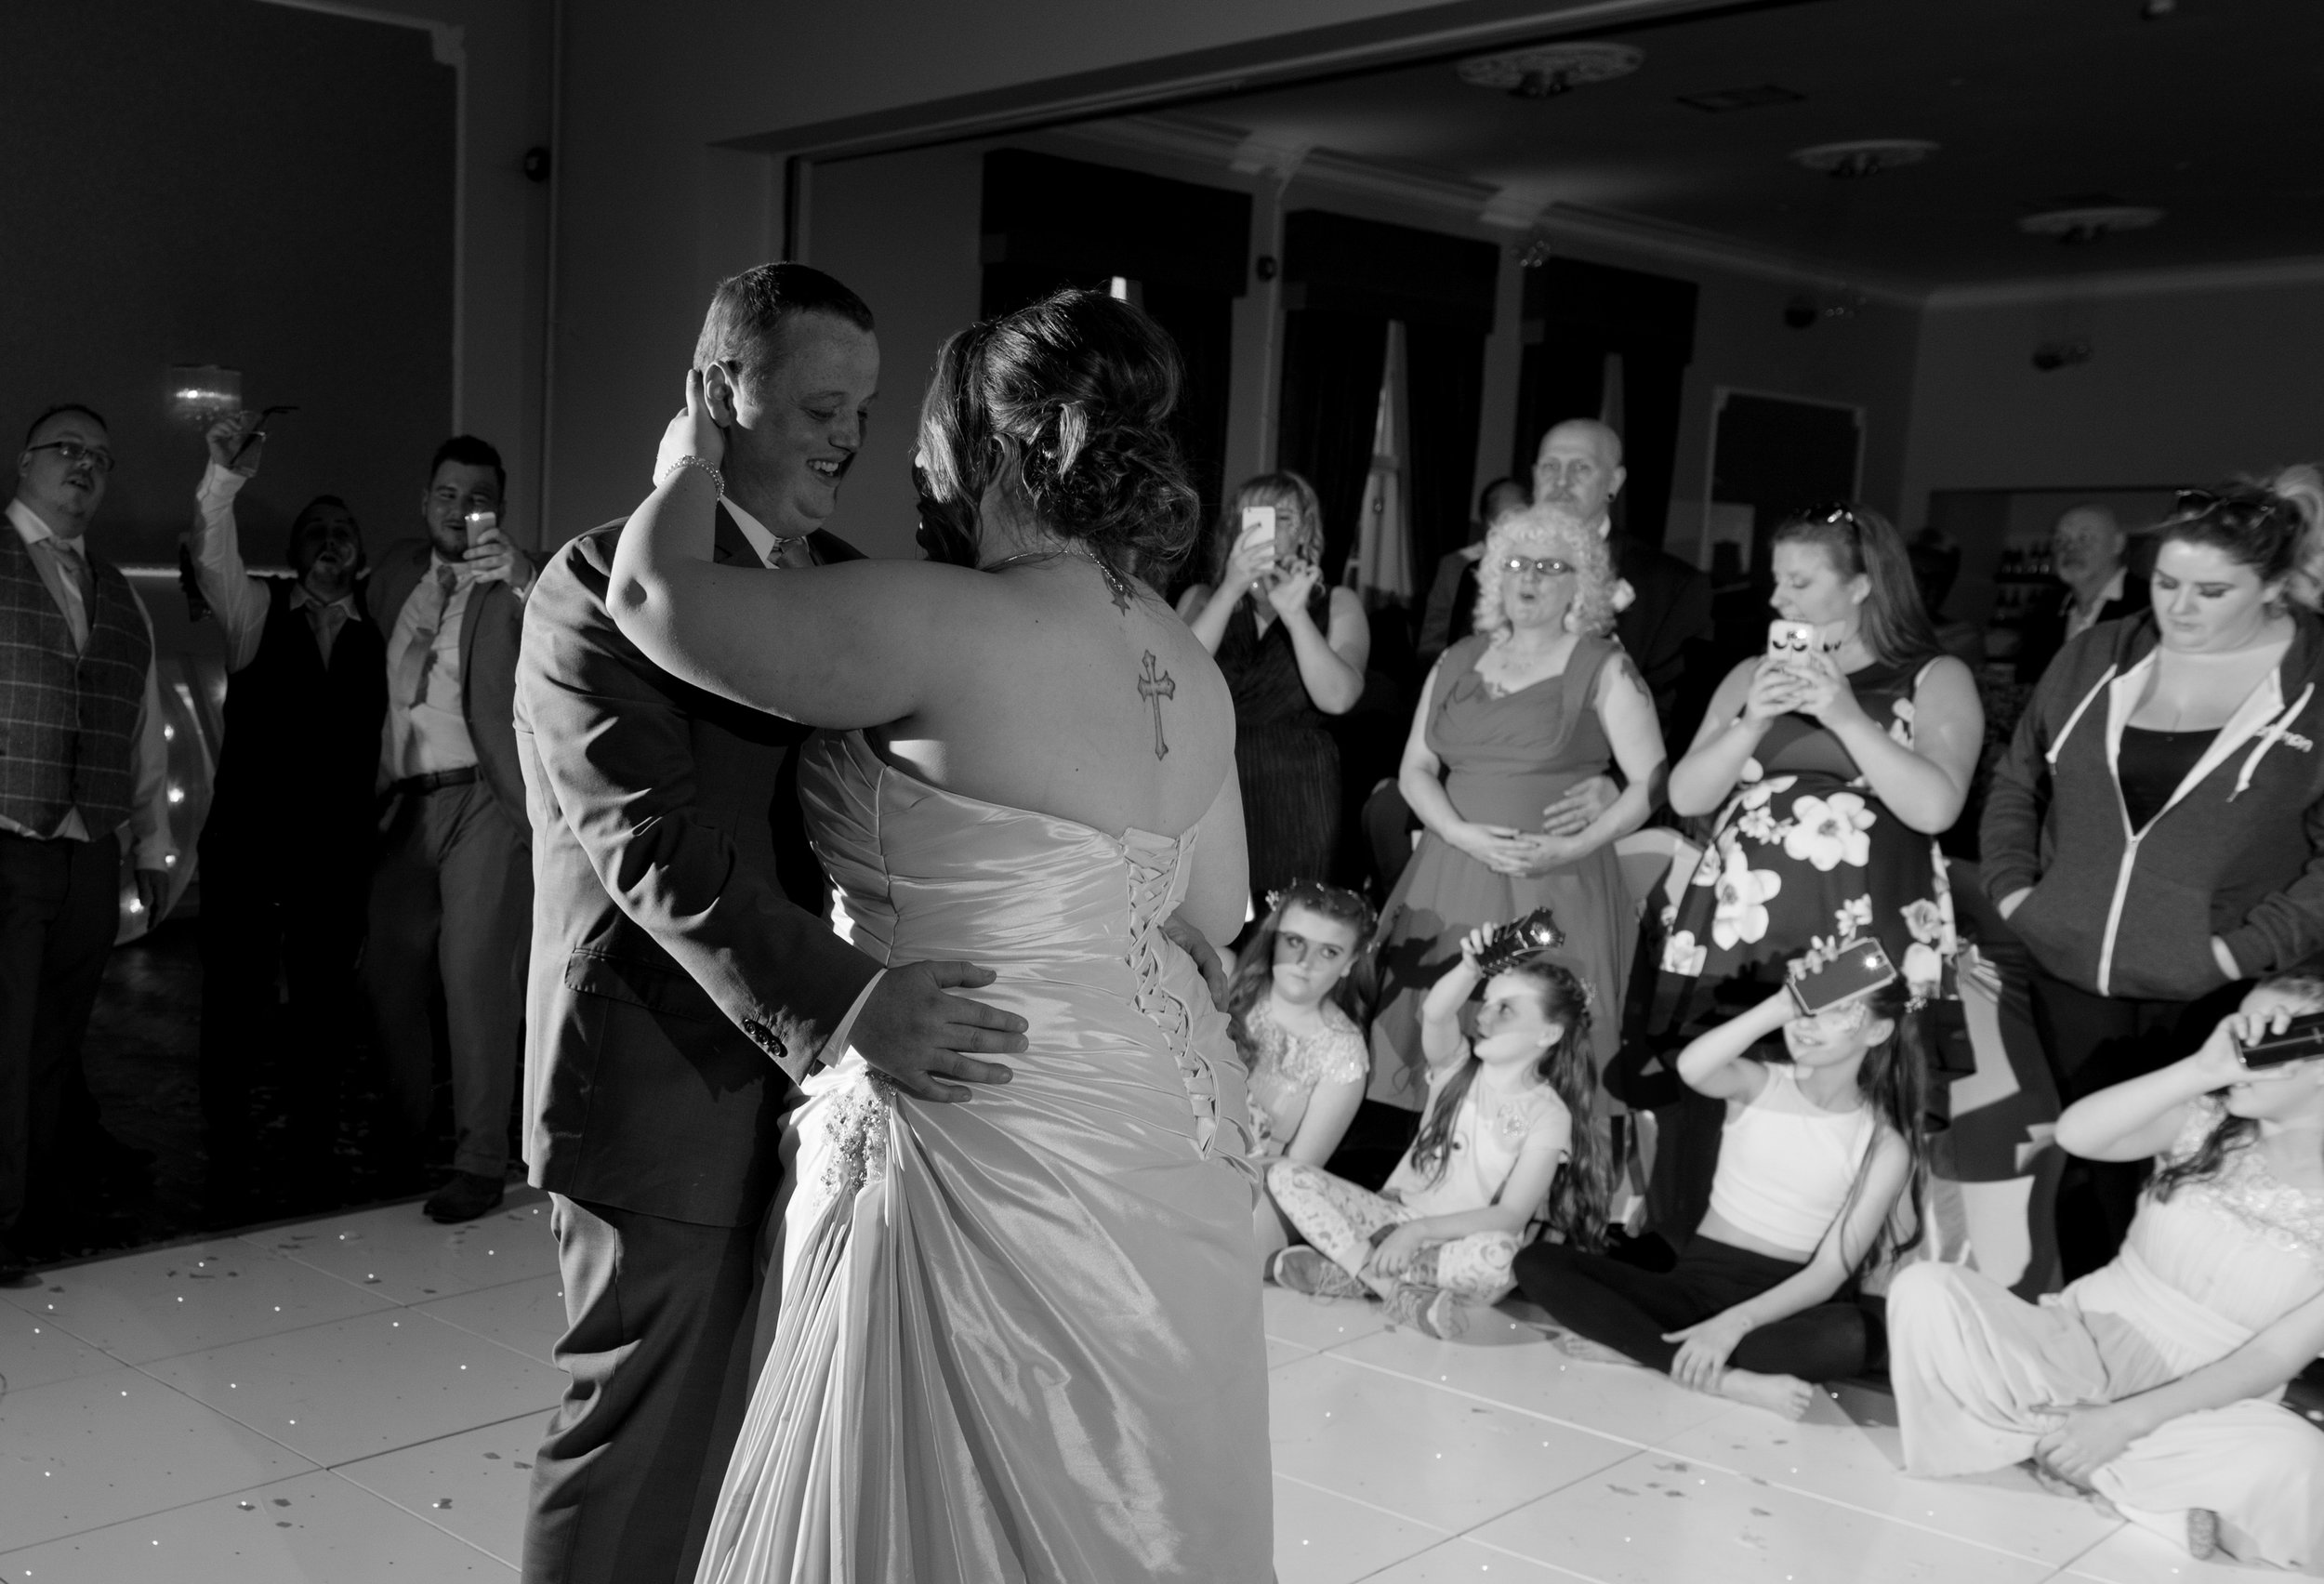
(1790, 640)
(1512, 942)
(1258, 526)
(1862, 965)
(478, 521)
(2301, 1040)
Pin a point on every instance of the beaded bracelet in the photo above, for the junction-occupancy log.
(717, 480)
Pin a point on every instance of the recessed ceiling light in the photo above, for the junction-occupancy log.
(1718, 101)
(2092, 223)
(1864, 156)
(1549, 70)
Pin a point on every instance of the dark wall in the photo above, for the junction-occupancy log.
(222, 181)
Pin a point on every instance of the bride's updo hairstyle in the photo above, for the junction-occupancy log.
(1069, 401)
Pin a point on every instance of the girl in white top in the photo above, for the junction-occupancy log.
(2155, 1381)
(1508, 1140)
(1294, 1000)
(1816, 1158)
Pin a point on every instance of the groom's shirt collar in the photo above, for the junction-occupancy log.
(762, 538)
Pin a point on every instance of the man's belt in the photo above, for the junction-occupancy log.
(419, 786)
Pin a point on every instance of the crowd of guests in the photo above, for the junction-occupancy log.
(1437, 1119)
(2152, 879)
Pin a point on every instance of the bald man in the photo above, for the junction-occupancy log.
(1579, 465)
(2086, 548)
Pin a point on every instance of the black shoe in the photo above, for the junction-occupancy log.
(16, 1270)
(468, 1196)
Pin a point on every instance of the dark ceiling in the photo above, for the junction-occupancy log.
(2213, 112)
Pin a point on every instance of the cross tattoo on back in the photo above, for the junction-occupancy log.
(1155, 684)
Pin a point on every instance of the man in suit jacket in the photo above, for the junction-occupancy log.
(1667, 620)
(2087, 549)
(683, 973)
(452, 889)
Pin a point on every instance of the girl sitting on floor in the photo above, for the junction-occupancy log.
(2154, 1380)
(1296, 1000)
(1508, 1139)
(1815, 1158)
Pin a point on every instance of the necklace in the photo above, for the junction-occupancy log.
(1116, 583)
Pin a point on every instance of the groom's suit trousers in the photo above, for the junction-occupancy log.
(659, 1316)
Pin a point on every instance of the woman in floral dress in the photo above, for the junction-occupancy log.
(1833, 775)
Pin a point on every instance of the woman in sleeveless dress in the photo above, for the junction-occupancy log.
(1018, 1335)
(1831, 777)
(1538, 699)
(1293, 651)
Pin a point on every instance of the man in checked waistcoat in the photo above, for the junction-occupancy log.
(82, 757)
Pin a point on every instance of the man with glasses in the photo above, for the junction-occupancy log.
(81, 756)
(449, 921)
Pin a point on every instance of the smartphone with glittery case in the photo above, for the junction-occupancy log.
(1861, 965)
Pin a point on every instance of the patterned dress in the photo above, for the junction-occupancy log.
(1288, 1068)
(1804, 858)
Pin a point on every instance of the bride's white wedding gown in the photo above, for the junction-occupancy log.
(1020, 1336)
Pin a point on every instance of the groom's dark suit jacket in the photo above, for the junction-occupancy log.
(683, 975)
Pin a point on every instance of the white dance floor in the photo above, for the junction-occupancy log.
(359, 1398)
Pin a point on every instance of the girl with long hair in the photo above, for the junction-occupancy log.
(2155, 1382)
(1820, 1165)
(1297, 1000)
(1509, 1142)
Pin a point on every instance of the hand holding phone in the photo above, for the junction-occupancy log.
(1253, 561)
(1790, 640)
(1861, 966)
(2299, 1040)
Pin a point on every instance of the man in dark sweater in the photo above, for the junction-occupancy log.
(286, 851)
(2087, 549)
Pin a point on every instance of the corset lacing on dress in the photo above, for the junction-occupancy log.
(1153, 864)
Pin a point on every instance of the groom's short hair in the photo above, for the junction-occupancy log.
(748, 310)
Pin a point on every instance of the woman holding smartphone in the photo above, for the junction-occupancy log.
(1293, 651)
(1832, 764)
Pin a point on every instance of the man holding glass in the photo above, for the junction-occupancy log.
(452, 891)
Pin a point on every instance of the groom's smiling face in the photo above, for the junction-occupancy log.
(797, 427)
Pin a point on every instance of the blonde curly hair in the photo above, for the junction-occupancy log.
(1550, 530)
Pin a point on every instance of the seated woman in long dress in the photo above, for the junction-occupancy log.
(1019, 1336)
(2155, 1381)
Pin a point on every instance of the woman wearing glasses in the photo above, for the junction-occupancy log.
(2154, 833)
(1831, 769)
(1538, 698)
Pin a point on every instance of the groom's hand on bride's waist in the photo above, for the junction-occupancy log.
(919, 1037)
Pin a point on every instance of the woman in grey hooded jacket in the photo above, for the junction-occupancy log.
(2156, 834)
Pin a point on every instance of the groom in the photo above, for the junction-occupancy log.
(683, 974)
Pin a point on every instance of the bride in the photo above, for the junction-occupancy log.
(1018, 1335)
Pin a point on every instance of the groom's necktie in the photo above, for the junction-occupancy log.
(794, 551)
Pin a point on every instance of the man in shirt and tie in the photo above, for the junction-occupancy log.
(285, 854)
(452, 893)
(2086, 548)
(81, 756)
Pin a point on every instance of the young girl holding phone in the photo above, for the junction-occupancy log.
(2155, 1381)
(1509, 1141)
(1297, 1003)
(1816, 1157)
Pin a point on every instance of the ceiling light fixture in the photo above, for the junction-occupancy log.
(1864, 156)
(1549, 70)
(2088, 223)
